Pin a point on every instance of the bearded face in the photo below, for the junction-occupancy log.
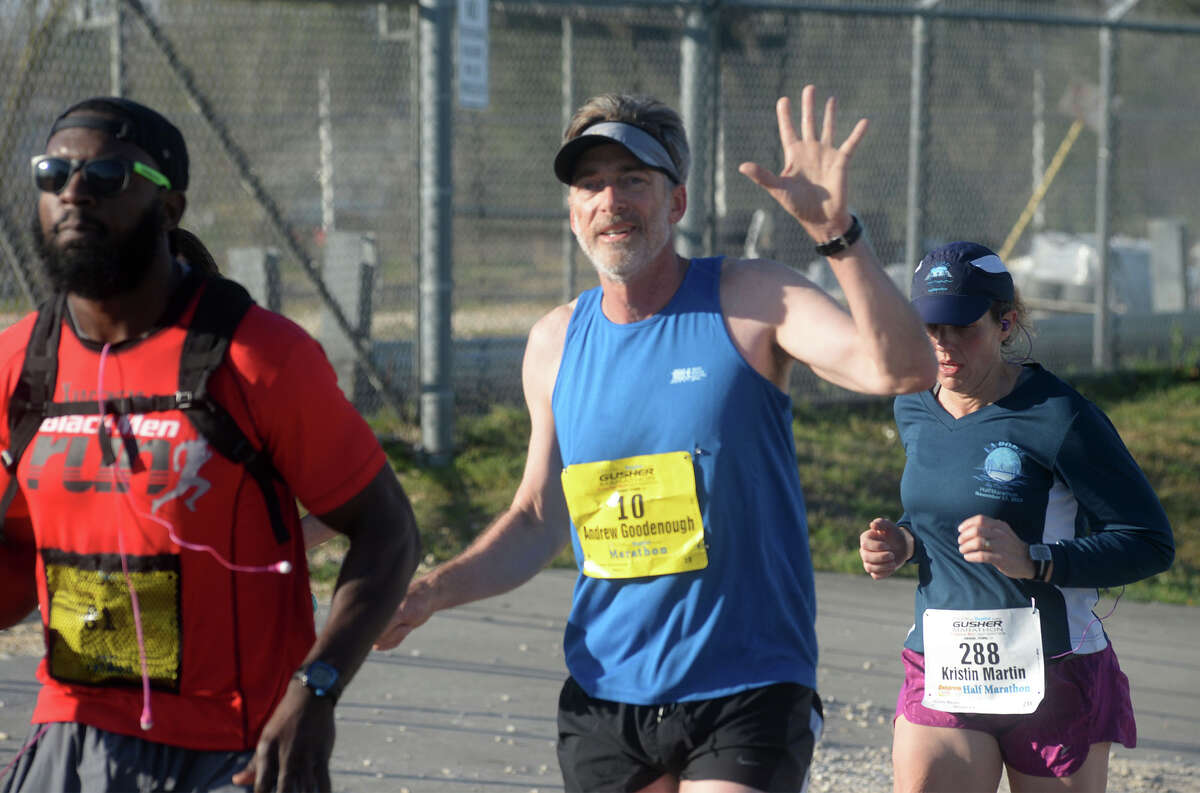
(621, 246)
(92, 261)
(621, 211)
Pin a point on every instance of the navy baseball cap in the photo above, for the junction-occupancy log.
(127, 120)
(640, 143)
(956, 283)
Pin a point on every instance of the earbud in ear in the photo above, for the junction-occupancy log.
(1004, 324)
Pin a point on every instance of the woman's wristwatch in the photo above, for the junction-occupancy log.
(1041, 556)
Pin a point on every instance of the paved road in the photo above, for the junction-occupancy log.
(468, 702)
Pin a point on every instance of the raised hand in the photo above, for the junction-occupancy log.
(812, 184)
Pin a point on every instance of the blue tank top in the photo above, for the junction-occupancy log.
(672, 382)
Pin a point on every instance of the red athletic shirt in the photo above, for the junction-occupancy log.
(221, 646)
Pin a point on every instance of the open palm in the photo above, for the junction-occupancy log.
(812, 183)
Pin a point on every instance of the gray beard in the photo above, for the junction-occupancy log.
(633, 260)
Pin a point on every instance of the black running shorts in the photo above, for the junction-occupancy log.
(762, 738)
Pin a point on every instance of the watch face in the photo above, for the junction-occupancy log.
(320, 676)
(1040, 553)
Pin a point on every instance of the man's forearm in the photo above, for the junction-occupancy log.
(886, 319)
(507, 554)
(374, 576)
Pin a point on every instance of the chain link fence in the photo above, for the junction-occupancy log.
(303, 121)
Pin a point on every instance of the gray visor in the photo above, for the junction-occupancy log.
(641, 144)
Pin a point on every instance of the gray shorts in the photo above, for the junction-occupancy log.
(76, 757)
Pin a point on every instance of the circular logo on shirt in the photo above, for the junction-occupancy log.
(1002, 464)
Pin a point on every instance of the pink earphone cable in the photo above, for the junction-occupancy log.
(283, 566)
(36, 737)
(1089, 626)
(147, 719)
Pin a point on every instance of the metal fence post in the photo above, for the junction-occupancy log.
(918, 114)
(257, 268)
(698, 75)
(1102, 355)
(351, 260)
(437, 213)
(325, 138)
(1102, 342)
(568, 109)
(116, 46)
(1039, 135)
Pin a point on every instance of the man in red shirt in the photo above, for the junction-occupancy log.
(171, 579)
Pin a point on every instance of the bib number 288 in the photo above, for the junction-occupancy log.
(979, 654)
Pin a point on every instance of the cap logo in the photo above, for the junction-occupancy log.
(955, 284)
(938, 279)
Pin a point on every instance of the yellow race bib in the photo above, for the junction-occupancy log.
(93, 636)
(637, 516)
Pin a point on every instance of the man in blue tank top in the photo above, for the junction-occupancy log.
(662, 450)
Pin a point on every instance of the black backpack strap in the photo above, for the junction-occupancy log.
(222, 306)
(33, 392)
(120, 407)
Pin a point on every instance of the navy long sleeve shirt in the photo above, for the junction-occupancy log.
(1051, 465)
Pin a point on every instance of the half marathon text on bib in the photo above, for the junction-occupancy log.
(987, 661)
(637, 516)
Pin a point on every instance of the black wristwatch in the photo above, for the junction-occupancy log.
(1041, 556)
(322, 678)
(839, 244)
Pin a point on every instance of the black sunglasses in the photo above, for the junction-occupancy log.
(104, 176)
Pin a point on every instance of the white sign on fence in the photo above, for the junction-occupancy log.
(473, 53)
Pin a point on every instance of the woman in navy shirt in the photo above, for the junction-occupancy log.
(1020, 500)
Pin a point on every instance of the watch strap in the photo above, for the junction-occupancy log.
(332, 691)
(839, 244)
(1042, 558)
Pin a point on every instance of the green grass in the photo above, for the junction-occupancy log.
(850, 462)
(1158, 416)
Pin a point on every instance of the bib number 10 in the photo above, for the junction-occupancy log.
(978, 653)
(636, 506)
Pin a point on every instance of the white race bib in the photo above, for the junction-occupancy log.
(987, 661)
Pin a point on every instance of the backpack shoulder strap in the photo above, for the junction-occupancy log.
(222, 306)
(33, 392)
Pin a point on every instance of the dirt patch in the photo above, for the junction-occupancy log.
(24, 638)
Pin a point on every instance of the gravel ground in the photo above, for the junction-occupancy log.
(839, 769)
(843, 763)
(468, 704)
